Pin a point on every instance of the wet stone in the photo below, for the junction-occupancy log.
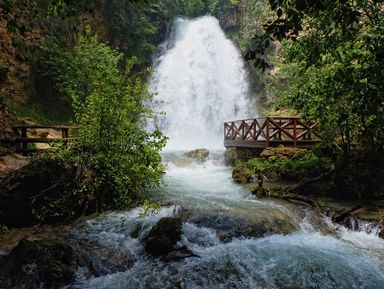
(163, 236)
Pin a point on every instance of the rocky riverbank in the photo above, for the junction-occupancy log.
(297, 175)
(229, 225)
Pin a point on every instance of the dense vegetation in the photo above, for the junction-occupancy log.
(332, 66)
(115, 160)
(98, 82)
(330, 69)
(118, 159)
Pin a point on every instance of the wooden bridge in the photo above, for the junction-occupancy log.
(260, 133)
(34, 134)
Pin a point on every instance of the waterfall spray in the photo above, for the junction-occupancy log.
(200, 81)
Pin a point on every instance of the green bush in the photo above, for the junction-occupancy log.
(119, 159)
(299, 166)
(115, 159)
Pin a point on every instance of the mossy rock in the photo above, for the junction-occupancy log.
(230, 156)
(198, 154)
(242, 174)
(282, 152)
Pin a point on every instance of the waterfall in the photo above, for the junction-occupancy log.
(200, 81)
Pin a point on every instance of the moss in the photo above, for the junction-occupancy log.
(242, 173)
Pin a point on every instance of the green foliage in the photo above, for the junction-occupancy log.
(119, 159)
(134, 27)
(137, 29)
(149, 208)
(32, 111)
(333, 66)
(254, 13)
(297, 167)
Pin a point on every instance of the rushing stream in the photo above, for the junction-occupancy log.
(240, 242)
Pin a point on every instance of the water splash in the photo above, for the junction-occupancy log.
(201, 81)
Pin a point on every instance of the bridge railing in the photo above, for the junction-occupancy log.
(270, 131)
(26, 134)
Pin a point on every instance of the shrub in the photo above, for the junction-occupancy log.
(298, 166)
(115, 159)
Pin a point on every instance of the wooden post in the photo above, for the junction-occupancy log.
(24, 144)
(294, 132)
(267, 134)
(64, 132)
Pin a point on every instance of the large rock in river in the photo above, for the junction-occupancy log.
(39, 264)
(163, 236)
(24, 192)
(198, 154)
(53, 262)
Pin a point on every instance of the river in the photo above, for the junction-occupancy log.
(241, 242)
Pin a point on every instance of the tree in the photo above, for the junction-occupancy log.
(116, 159)
(334, 61)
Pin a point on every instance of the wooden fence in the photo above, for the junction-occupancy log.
(270, 132)
(33, 134)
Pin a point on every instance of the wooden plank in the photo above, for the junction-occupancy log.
(46, 126)
(245, 144)
(25, 140)
(274, 131)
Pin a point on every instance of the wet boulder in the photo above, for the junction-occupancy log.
(230, 156)
(228, 227)
(100, 259)
(179, 254)
(39, 264)
(163, 236)
(198, 154)
(25, 191)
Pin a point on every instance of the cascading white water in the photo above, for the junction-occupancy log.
(242, 242)
(200, 81)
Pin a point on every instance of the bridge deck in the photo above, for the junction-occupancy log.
(260, 133)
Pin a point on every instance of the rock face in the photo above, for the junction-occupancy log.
(198, 154)
(163, 236)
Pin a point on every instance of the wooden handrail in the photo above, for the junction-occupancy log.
(291, 131)
(46, 126)
(22, 139)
